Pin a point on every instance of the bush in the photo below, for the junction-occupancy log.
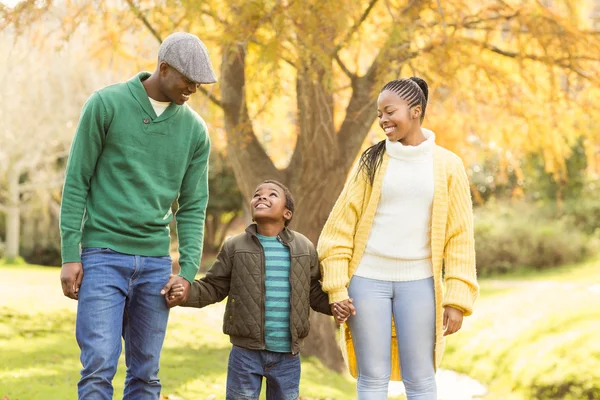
(523, 235)
(13, 261)
(584, 214)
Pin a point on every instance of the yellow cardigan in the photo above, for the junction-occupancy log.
(345, 234)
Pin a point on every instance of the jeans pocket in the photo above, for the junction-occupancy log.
(88, 251)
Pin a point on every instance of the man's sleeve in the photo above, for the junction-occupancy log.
(85, 150)
(192, 201)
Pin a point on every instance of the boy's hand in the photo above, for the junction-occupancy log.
(342, 310)
(176, 292)
(175, 298)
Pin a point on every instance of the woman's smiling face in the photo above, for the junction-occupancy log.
(395, 115)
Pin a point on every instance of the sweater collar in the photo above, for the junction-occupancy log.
(139, 92)
(285, 235)
(399, 151)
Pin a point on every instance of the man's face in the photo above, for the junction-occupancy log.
(176, 86)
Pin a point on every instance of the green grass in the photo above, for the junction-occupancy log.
(39, 358)
(534, 335)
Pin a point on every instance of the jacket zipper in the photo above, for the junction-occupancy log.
(291, 294)
(264, 290)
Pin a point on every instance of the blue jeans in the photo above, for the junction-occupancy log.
(247, 368)
(412, 304)
(120, 296)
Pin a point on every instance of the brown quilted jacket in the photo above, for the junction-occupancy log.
(239, 274)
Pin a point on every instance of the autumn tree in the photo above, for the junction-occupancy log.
(39, 113)
(501, 73)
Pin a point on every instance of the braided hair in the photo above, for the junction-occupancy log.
(415, 91)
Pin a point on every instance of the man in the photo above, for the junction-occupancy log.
(137, 148)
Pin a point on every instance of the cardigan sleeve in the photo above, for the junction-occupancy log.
(459, 251)
(336, 243)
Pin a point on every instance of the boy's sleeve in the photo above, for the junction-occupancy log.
(85, 150)
(213, 287)
(192, 201)
(459, 253)
(319, 300)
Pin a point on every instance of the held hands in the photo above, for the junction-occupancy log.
(453, 318)
(175, 291)
(342, 310)
(71, 275)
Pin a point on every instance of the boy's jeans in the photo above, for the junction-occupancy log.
(246, 370)
(412, 304)
(120, 296)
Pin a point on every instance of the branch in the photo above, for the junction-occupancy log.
(442, 14)
(355, 27)
(287, 60)
(215, 17)
(343, 66)
(533, 57)
(144, 20)
(210, 96)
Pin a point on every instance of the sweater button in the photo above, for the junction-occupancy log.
(146, 120)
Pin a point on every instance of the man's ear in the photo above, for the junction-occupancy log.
(163, 67)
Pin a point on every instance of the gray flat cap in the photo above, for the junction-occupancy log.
(188, 55)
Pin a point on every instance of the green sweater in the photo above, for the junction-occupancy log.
(125, 169)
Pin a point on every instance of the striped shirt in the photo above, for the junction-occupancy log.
(278, 337)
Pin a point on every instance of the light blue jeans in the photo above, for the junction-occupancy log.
(120, 296)
(412, 304)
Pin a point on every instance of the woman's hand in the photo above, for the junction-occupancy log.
(342, 310)
(453, 318)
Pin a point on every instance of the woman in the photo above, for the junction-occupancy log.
(404, 214)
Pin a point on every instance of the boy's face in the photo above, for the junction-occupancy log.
(268, 204)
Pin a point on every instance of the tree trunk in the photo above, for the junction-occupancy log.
(13, 218)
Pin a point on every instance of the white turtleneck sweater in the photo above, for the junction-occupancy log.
(399, 245)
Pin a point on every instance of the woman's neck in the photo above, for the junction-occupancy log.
(414, 138)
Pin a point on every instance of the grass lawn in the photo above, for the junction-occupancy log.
(533, 336)
(39, 358)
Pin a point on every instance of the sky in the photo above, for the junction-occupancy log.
(9, 3)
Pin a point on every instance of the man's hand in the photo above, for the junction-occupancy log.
(179, 295)
(453, 318)
(71, 275)
(342, 310)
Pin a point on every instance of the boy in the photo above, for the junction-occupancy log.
(270, 275)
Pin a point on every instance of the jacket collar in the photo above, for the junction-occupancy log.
(285, 235)
(139, 93)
